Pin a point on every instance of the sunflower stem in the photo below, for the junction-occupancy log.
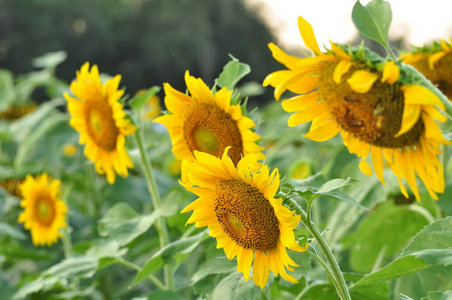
(341, 287)
(390, 52)
(67, 242)
(160, 224)
(425, 82)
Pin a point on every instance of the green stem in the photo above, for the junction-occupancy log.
(327, 269)
(67, 243)
(160, 224)
(341, 288)
(390, 52)
(137, 268)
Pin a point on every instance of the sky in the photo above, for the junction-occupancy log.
(418, 21)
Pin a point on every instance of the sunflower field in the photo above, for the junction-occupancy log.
(340, 188)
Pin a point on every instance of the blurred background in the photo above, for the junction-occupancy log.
(151, 42)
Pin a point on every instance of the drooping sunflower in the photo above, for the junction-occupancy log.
(435, 62)
(241, 211)
(207, 122)
(44, 212)
(100, 119)
(371, 102)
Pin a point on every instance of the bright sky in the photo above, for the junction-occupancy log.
(419, 21)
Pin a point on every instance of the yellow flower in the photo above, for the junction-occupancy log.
(152, 108)
(301, 170)
(207, 122)
(15, 112)
(101, 121)
(12, 186)
(374, 109)
(240, 209)
(44, 212)
(435, 62)
(70, 150)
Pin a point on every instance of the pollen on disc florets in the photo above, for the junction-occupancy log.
(246, 215)
(373, 117)
(208, 128)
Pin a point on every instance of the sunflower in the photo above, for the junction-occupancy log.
(371, 103)
(44, 212)
(241, 211)
(100, 119)
(435, 62)
(152, 108)
(207, 122)
(15, 112)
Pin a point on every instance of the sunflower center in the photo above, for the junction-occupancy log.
(246, 215)
(373, 117)
(45, 211)
(101, 125)
(206, 140)
(208, 128)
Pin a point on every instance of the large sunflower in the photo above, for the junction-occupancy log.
(207, 122)
(371, 102)
(44, 212)
(435, 62)
(241, 211)
(100, 119)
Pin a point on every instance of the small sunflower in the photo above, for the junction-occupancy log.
(207, 122)
(435, 63)
(15, 112)
(152, 109)
(371, 102)
(44, 212)
(11, 185)
(241, 211)
(100, 119)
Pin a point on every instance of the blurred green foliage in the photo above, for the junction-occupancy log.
(147, 41)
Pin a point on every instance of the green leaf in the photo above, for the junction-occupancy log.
(400, 221)
(234, 287)
(168, 254)
(138, 102)
(379, 291)
(214, 266)
(437, 235)
(29, 145)
(334, 184)
(7, 93)
(78, 267)
(6, 229)
(321, 291)
(373, 20)
(82, 267)
(49, 60)
(436, 257)
(164, 295)
(398, 268)
(232, 73)
(123, 224)
(438, 295)
(23, 127)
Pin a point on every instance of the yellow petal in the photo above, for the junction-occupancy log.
(342, 67)
(288, 60)
(361, 81)
(307, 34)
(434, 58)
(377, 162)
(416, 94)
(339, 52)
(411, 114)
(391, 72)
(299, 103)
